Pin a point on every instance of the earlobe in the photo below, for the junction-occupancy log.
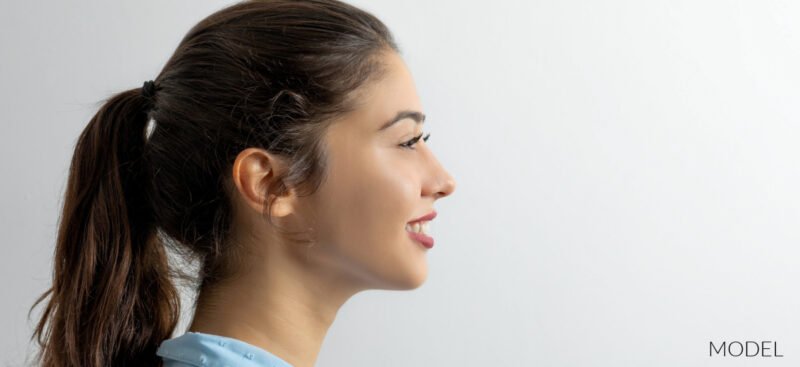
(281, 206)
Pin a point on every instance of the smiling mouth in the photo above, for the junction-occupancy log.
(419, 229)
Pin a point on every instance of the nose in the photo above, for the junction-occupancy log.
(439, 183)
(448, 186)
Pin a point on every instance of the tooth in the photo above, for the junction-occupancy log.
(426, 227)
(416, 227)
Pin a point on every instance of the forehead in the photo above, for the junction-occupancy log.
(382, 99)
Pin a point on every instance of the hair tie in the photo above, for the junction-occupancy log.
(149, 90)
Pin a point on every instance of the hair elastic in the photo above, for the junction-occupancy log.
(149, 90)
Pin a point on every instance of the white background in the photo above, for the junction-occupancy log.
(627, 174)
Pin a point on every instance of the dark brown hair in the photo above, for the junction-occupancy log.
(153, 175)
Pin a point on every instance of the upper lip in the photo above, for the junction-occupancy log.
(428, 216)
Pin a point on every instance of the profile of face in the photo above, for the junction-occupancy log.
(375, 185)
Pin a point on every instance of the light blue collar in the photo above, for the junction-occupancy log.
(207, 350)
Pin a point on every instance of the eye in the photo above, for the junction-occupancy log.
(410, 144)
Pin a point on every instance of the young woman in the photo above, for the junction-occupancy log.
(280, 147)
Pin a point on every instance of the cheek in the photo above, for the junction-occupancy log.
(367, 201)
(376, 195)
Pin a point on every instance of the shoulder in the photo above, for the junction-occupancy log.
(201, 350)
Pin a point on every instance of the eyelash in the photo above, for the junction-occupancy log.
(410, 144)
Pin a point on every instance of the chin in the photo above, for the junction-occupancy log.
(409, 281)
(416, 284)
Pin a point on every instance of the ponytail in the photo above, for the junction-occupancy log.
(112, 301)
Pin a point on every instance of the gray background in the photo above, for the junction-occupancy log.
(627, 170)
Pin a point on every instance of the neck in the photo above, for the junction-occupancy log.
(281, 307)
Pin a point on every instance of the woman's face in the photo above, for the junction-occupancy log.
(375, 186)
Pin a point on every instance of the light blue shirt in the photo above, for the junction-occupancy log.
(206, 350)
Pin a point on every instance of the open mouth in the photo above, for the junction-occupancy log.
(420, 232)
(419, 229)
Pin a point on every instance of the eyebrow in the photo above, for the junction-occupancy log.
(417, 116)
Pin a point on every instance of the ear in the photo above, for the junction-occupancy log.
(253, 170)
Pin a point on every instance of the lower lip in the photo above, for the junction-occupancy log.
(422, 239)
